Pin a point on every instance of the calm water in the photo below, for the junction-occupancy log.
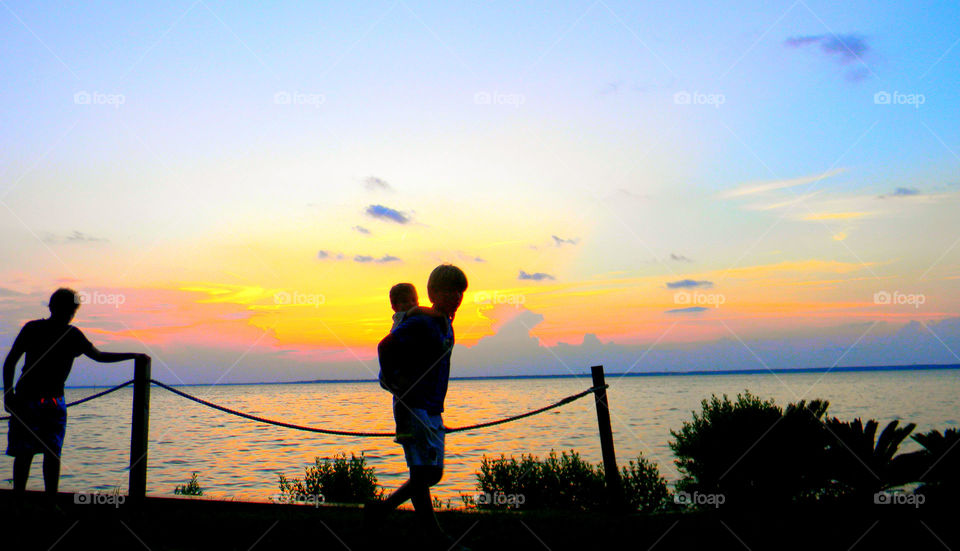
(238, 459)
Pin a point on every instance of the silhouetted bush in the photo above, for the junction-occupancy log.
(566, 482)
(860, 463)
(749, 452)
(336, 480)
(937, 465)
(643, 487)
(191, 488)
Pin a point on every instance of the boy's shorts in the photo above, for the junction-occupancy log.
(422, 437)
(37, 426)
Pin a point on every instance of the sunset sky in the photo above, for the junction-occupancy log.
(653, 187)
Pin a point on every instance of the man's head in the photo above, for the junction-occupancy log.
(63, 304)
(403, 296)
(445, 288)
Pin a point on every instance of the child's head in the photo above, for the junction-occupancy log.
(445, 288)
(403, 296)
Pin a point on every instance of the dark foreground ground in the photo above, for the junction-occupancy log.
(163, 523)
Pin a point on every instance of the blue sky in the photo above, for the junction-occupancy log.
(226, 144)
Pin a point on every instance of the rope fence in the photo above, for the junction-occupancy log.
(141, 412)
(365, 434)
(89, 398)
(335, 432)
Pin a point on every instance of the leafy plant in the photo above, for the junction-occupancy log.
(191, 488)
(643, 487)
(337, 480)
(861, 462)
(942, 465)
(752, 452)
(562, 482)
(936, 466)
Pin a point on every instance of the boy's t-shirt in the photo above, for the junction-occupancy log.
(418, 350)
(50, 349)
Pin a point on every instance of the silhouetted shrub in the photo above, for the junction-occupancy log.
(564, 482)
(861, 463)
(191, 488)
(749, 452)
(336, 480)
(937, 465)
(643, 487)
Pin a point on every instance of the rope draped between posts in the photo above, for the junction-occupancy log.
(88, 398)
(365, 434)
(141, 413)
(259, 419)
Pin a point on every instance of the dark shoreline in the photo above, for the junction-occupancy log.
(195, 523)
(586, 375)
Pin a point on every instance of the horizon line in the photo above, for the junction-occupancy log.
(787, 370)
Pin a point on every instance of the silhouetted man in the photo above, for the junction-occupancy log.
(38, 412)
(417, 354)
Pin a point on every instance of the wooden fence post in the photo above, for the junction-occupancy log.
(138, 436)
(610, 469)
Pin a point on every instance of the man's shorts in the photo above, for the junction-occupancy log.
(423, 436)
(37, 426)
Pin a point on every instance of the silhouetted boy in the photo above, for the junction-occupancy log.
(419, 350)
(38, 413)
(403, 298)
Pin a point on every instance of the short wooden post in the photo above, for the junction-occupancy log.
(138, 436)
(612, 473)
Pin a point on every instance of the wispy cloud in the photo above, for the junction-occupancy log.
(679, 258)
(836, 215)
(844, 49)
(537, 276)
(382, 260)
(901, 192)
(362, 230)
(689, 284)
(327, 255)
(753, 189)
(561, 242)
(372, 183)
(74, 237)
(782, 204)
(469, 257)
(689, 310)
(387, 213)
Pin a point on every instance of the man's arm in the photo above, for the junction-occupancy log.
(9, 368)
(110, 357)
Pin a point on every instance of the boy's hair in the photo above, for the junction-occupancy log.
(64, 300)
(401, 291)
(447, 277)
